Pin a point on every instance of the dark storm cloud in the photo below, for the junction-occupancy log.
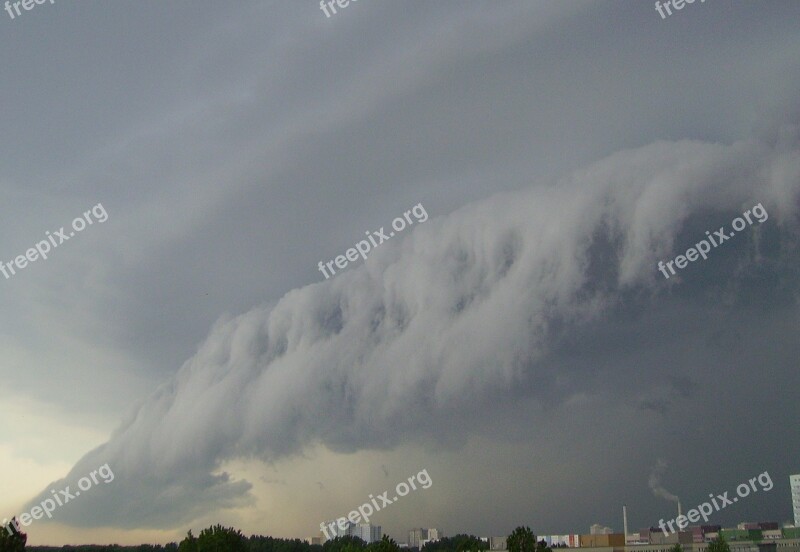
(237, 145)
(497, 300)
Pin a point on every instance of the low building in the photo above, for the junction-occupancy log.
(681, 537)
(570, 541)
(749, 534)
(784, 545)
(603, 540)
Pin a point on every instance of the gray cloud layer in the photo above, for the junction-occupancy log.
(526, 344)
(496, 301)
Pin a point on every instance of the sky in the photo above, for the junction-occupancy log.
(516, 339)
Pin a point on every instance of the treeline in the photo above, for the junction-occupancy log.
(173, 547)
(225, 539)
(258, 543)
(228, 539)
(458, 543)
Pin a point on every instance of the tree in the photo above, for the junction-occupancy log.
(347, 543)
(542, 546)
(718, 545)
(384, 545)
(13, 542)
(676, 548)
(260, 543)
(457, 543)
(189, 544)
(521, 539)
(221, 539)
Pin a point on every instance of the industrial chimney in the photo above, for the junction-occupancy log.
(625, 522)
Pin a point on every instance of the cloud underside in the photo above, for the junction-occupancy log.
(497, 301)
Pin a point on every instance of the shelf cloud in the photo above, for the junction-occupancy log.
(471, 307)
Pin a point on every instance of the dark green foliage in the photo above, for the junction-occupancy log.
(384, 545)
(14, 542)
(458, 543)
(189, 544)
(342, 544)
(103, 548)
(718, 545)
(170, 547)
(521, 539)
(258, 543)
(221, 539)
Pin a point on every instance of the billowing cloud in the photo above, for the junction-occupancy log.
(469, 308)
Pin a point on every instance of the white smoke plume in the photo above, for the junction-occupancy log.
(452, 316)
(654, 482)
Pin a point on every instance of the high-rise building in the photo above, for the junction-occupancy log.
(418, 537)
(335, 531)
(365, 531)
(794, 483)
(415, 536)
